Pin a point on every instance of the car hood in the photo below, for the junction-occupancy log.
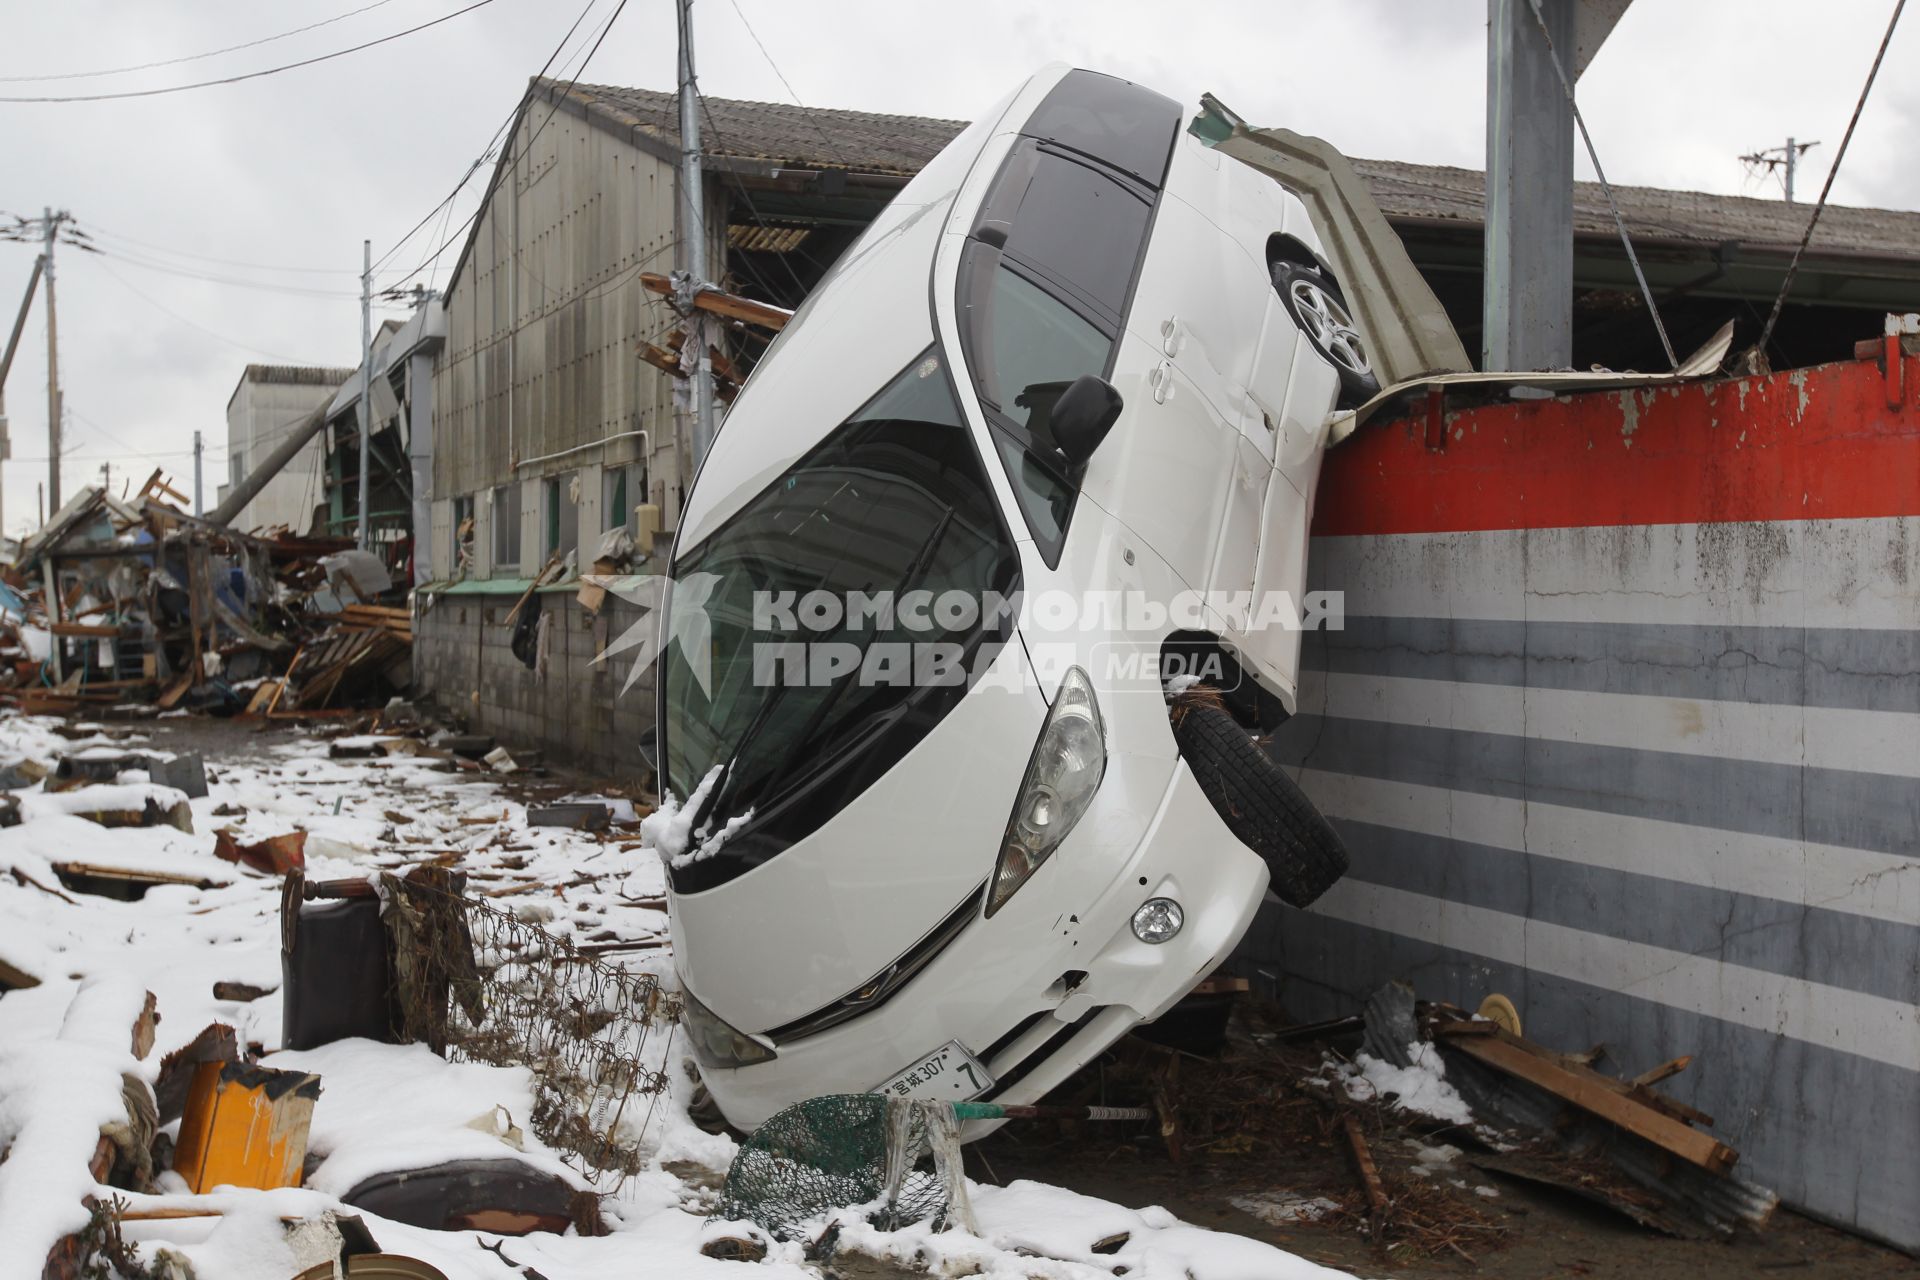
(832, 911)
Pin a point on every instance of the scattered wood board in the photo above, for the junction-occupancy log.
(1610, 1100)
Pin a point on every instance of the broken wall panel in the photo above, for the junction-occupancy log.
(1624, 721)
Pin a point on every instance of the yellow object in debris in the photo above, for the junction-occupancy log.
(245, 1126)
(1499, 1010)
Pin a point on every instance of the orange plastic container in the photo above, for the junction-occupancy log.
(245, 1126)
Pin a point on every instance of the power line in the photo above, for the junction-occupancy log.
(1826, 189)
(492, 145)
(262, 286)
(493, 183)
(196, 57)
(254, 75)
(149, 245)
(782, 76)
(194, 324)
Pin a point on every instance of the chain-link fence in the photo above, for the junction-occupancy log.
(479, 985)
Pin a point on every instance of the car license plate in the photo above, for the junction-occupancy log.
(948, 1074)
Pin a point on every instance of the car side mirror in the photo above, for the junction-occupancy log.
(1083, 415)
(650, 747)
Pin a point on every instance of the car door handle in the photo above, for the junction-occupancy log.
(1161, 380)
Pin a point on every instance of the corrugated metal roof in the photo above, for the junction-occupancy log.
(866, 142)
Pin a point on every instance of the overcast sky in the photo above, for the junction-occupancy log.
(293, 170)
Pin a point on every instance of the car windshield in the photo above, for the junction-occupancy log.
(895, 500)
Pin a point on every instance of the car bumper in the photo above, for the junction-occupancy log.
(1056, 975)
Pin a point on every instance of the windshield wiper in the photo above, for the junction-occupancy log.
(916, 567)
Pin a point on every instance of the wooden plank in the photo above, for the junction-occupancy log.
(1369, 1174)
(1662, 1071)
(1578, 1065)
(101, 631)
(730, 305)
(1627, 1112)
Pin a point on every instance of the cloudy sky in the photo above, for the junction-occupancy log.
(231, 217)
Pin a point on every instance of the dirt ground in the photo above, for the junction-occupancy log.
(1545, 1233)
(1264, 1141)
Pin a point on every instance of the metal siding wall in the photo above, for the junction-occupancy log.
(1658, 782)
(594, 212)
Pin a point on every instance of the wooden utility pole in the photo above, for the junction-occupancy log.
(50, 223)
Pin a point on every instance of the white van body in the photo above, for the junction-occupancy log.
(837, 930)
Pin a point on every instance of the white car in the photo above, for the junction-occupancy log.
(1081, 361)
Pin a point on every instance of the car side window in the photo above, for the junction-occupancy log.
(1042, 300)
(1081, 230)
(1036, 346)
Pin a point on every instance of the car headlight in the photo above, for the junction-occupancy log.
(715, 1044)
(1067, 765)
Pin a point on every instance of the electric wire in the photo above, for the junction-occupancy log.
(1826, 189)
(196, 57)
(166, 251)
(782, 76)
(1619, 223)
(511, 161)
(251, 75)
(195, 324)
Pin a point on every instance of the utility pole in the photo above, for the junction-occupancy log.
(51, 224)
(6, 363)
(693, 230)
(1786, 159)
(197, 508)
(366, 375)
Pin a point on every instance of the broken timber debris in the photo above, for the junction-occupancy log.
(134, 606)
(245, 1126)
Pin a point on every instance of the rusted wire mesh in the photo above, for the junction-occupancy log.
(479, 985)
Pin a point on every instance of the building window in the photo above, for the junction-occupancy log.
(506, 528)
(237, 462)
(460, 563)
(625, 488)
(562, 512)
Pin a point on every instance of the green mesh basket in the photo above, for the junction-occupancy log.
(826, 1154)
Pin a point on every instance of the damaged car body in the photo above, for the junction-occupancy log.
(1081, 356)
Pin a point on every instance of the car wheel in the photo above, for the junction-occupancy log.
(1316, 305)
(1261, 805)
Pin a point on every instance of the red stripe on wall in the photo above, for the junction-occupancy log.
(1814, 444)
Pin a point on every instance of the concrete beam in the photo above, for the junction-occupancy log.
(1529, 228)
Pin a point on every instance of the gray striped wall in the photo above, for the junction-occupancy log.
(1664, 797)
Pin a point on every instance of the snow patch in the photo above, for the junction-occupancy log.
(1421, 1088)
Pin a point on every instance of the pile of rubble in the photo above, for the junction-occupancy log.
(131, 606)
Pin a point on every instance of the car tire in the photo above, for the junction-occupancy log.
(1261, 805)
(1316, 305)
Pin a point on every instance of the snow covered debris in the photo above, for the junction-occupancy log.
(65, 1043)
(1421, 1088)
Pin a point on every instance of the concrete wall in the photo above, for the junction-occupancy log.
(259, 415)
(1625, 723)
(574, 710)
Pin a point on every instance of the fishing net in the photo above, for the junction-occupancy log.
(897, 1164)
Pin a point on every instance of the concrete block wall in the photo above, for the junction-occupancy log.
(574, 710)
(1624, 723)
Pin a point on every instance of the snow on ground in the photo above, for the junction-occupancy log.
(385, 1108)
